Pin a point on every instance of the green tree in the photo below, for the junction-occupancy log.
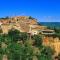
(24, 36)
(7, 17)
(1, 50)
(15, 51)
(31, 17)
(14, 34)
(46, 53)
(5, 39)
(39, 23)
(1, 53)
(38, 40)
(27, 52)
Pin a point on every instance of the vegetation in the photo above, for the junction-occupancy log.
(57, 31)
(39, 23)
(46, 53)
(30, 17)
(5, 17)
(14, 35)
(38, 40)
(16, 45)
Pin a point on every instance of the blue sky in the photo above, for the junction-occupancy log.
(43, 10)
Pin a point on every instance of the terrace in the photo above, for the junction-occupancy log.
(47, 32)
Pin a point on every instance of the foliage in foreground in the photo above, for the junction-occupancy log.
(14, 45)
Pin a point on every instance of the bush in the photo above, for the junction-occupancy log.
(46, 53)
(24, 36)
(31, 17)
(38, 40)
(14, 34)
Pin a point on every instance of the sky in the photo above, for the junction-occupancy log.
(42, 10)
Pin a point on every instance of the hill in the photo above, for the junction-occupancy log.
(21, 23)
(51, 24)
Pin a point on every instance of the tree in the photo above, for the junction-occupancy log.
(27, 52)
(15, 51)
(39, 23)
(1, 50)
(38, 40)
(31, 17)
(7, 17)
(46, 53)
(14, 34)
(24, 36)
(57, 32)
(1, 53)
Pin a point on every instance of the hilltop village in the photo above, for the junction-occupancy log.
(24, 24)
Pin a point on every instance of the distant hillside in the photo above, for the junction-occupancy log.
(51, 24)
